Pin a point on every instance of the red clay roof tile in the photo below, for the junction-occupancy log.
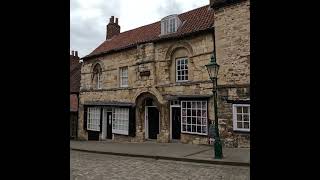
(192, 21)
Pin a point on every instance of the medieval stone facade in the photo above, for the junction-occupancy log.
(151, 68)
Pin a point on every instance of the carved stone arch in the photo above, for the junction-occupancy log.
(94, 66)
(180, 44)
(152, 91)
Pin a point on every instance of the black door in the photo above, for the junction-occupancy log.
(176, 123)
(109, 125)
(153, 122)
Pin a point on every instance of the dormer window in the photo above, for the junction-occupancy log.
(170, 24)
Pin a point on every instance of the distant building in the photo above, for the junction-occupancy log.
(75, 68)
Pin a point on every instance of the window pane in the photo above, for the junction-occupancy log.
(189, 120)
(199, 121)
(188, 105)
(239, 124)
(194, 112)
(246, 125)
(198, 129)
(194, 128)
(239, 109)
(204, 129)
(204, 121)
(245, 117)
(184, 112)
(189, 128)
(188, 112)
(183, 104)
(184, 127)
(245, 109)
(194, 119)
(184, 120)
(239, 117)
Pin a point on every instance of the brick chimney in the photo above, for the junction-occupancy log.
(113, 28)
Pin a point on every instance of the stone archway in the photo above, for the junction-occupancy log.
(143, 101)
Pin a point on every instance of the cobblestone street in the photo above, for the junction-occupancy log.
(101, 166)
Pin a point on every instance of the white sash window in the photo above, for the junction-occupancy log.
(120, 121)
(93, 119)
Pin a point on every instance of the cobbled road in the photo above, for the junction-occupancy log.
(85, 166)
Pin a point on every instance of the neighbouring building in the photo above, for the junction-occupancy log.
(151, 82)
(75, 68)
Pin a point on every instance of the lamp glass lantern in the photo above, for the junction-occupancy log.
(213, 68)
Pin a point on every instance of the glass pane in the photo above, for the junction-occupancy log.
(194, 104)
(245, 109)
(239, 117)
(188, 112)
(246, 125)
(204, 105)
(245, 117)
(194, 119)
(183, 127)
(189, 120)
(199, 113)
(194, 112)
(184, 120)
(199, 121)
(188, 104)
(184, 111)
(239, 109)
(204, 113)
(188, 128)
(204, 129)
(204, 121)
(239, 124)
(199, 129)
(184, 104)
(194, 128)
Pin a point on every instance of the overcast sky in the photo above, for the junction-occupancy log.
(88, 18)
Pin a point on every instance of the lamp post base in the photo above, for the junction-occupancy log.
(218, 149)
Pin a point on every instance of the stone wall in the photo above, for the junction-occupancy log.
(151, 69)
(232, 33)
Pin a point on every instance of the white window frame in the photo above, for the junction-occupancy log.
(120, 121)
(185, 60)
(203, 119)
(93, 118)
(123, 76)
(170, 24)
(235, 120)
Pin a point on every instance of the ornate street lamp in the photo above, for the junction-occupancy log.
(213, 69)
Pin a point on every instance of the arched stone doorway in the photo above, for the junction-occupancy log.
(151, 118)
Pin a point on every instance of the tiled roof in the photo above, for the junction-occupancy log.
(75, 67)
(193, 21)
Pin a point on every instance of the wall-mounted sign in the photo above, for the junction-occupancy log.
(145, 73)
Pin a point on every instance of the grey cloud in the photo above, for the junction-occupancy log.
(168, 7)
(87, 33)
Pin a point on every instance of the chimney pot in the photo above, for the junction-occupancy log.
(76, 53)
(112, 19)
(72, 53)
(116, 21)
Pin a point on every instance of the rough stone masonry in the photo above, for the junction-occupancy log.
(232, 33)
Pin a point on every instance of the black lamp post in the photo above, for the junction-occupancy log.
(213, 69)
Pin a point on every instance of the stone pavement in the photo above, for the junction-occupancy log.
(95, 166)
(166, 151)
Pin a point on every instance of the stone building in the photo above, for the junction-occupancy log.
(75, 68)
(151, 82)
